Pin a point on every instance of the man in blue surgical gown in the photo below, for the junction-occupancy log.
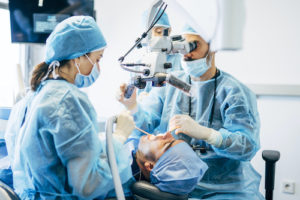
(220, 121)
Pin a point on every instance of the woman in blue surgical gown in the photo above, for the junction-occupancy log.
(220, 120)
(52, 135)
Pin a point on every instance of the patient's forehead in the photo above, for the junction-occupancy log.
(144, 145)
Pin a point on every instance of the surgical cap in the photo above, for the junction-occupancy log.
(178, 170)
(72, 38)
(187, 29)
(163, 21)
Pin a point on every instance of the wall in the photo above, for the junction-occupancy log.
(271, 44)
(271, 56)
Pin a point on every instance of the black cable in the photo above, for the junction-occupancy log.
(214, 99)
(190, 99)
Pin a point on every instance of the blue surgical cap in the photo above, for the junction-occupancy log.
(187, 29)
(72, 38)
(163, 21)
(178, 170)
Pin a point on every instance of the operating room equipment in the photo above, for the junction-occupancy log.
(159, 80)
(155, 62)
(142, 131)
(112, 158)
(173, 129)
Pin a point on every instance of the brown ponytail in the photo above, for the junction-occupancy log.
(38, 73)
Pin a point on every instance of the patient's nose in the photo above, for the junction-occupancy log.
(150, 137)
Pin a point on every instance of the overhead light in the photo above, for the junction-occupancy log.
(41, 2)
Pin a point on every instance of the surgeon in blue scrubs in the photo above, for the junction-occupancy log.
(221, 122)
(52, 134)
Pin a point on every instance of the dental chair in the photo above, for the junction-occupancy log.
(7, 193)
(143, 190)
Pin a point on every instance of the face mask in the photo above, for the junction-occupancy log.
(86, 80)
(195, 68)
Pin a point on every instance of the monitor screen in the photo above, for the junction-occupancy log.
(33, 20)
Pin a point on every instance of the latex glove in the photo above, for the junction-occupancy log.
(124, 127)
(131, 103)
(185, 124)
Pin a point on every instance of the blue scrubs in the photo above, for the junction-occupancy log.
(230, 174)
(53, 145)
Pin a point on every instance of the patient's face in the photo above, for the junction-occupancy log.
(154, 147)
(151, 148)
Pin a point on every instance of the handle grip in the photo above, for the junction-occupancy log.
(129, 90)
(271, 157)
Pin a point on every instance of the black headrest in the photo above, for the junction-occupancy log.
(271, 155)
(147, 191)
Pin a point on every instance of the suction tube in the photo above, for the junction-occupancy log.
(112, 158)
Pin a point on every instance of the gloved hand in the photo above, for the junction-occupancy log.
(124, 127)
(185, 124)
(131, 103)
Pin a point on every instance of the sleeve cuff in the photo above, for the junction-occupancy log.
(215, 138)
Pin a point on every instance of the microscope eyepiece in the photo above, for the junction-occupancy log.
(193, 45)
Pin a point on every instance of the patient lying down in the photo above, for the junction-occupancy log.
(170, 164)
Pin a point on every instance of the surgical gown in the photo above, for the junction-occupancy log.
(53, 144)
(230, 174)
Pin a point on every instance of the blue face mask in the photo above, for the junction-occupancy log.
(86, 80)
(195, 68)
